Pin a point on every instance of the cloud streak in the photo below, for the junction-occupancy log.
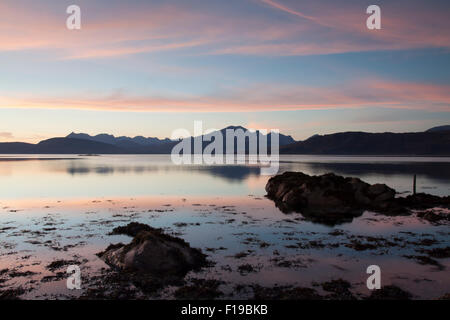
(262, 97)
(321, 28)
(6, 135)
(286, 9)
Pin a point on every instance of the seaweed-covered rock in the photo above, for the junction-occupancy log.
(200, 289)
(152, 254)
(285, 293)
(436, 216)
(390, 292)
(445, 297)
(12, 294)
(131, 229)
(326, 198)
(340, 290)
(333, 199)
(57, 264)
(423, 201)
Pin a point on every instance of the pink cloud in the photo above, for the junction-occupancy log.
(263, 97)
(282, 7)
(6, 135)
(310, 27)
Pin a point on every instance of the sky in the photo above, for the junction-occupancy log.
(149, 67)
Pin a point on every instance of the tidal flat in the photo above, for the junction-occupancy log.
(58, 213)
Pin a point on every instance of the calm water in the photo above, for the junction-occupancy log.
(62, 207)
(37, 177)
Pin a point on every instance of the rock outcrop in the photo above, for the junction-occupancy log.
(326, 198)
(332, 199)
(152, 255)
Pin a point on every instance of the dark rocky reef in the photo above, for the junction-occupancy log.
(333, 199)
(327, 198)
(153, 258)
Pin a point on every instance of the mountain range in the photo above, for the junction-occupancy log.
(435, 141)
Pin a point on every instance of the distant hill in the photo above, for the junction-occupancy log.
(439, 129)
(79, 146)
(434, 142)
(82, 143)
(362, 143)
(72, 146)
(59, 146)
(125, 142)
(17, 147)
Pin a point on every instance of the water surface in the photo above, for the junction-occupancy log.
(63, 207)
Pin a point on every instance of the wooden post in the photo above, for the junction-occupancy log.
(414, 185)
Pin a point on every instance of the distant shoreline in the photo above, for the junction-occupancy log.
(417, 144)
(281, 154)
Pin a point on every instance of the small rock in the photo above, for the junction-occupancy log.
(390, 292)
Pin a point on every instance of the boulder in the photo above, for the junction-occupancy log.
(424, 201)
(332, 199)
(327, 198)
(152, 254)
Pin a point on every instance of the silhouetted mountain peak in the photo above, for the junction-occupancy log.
(234, 128)
(284, 139)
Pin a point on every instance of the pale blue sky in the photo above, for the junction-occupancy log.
(150, 67)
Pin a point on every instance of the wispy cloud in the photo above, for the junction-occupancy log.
(6, 135)
(282, 7)
(317, 27)
(262, 97)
